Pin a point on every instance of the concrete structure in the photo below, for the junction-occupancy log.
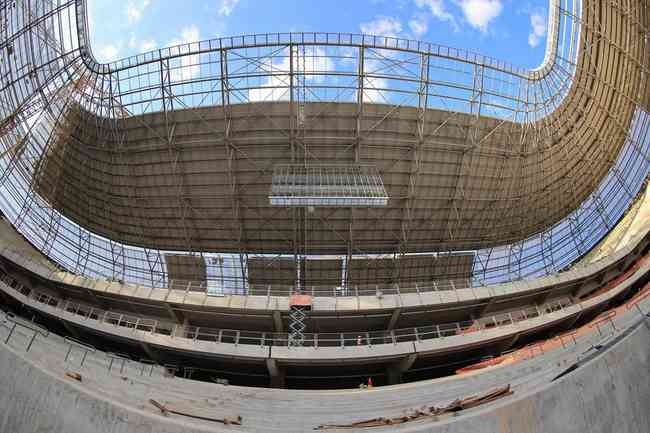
(209, 229)
(604, 393)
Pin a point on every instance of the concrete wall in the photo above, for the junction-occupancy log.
(33, 400)
(610, 393)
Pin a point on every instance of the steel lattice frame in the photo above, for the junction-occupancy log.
(528, 169)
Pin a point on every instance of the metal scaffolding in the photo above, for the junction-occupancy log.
(109, 168)
(327, 185)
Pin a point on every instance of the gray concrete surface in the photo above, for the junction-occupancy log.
(610, 393)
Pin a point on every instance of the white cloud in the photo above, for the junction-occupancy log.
(382, 26)
(142, 45)
(132, 42)
(188, 35)
(147, 45)
(189, 64)
(418, 26)
(372, 90)
(135, 10)
(372, 86)
(276, 87)
(227, 6)
(438, 10)
(108, 53)
(479, 13)
(538, 30)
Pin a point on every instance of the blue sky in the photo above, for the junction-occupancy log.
(512, 30)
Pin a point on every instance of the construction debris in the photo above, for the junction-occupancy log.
(451, 408)
(160, 407)
(229, 420)
(72, 375)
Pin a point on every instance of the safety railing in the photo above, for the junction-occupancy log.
(30, 327)
(315, 340)
(109, 362)
(192, 288)
(83, 347)
(143, 367)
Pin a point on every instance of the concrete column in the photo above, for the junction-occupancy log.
(394, 371)
(150, 353)
(483, 308)
(278, 375)
(587, 287)
(175, 315)
(394, 318)
(394, 376)
(71, 329)
(277, 322)
(507, 344)
(182, 330)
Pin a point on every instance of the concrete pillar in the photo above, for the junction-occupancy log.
(182, 330)
(394, 318)
(277, 322)
(483, 308)
(395, 370)
(150, 353)
(278, 381)
(175, 315)
(277, 374)
(71, 329)
(587, 287)
(507, 344)
(394, 375)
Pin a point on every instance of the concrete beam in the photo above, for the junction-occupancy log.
(394, 318)
(278, 326)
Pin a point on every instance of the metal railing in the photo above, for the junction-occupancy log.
(33, 327)
(192, 288)
(145, 367)
(314, 340)
(83, 347)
